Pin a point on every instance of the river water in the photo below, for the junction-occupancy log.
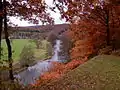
(32, 73)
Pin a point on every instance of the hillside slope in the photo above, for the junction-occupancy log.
(100, 73)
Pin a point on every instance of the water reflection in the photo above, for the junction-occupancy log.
(32, 73)
(56, 51)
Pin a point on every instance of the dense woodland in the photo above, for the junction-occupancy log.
(94, 29)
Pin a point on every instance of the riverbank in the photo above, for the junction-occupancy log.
(58, 70)
(17, 67)
(37, 68)
(100, 73)
(4, 74)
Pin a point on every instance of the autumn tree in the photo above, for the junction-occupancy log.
(87, 38)
(31, 10)
(101, 11)
(88, 16)
(107, 16)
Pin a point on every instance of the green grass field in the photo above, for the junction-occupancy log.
(18, 45)
(99, 73)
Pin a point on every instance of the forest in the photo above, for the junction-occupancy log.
(82, 54)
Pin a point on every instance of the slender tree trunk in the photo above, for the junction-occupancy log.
(8, 42)
(108, 35)
(107, 27)
(1, 23)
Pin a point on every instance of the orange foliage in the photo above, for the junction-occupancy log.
(85, 43)
(58, 70)
(86, 37)
(88, 31)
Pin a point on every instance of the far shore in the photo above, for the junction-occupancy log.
(17, 69)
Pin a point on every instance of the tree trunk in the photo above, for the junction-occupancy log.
(8, 42)
(108, 35)
(1, 23)
(107, 27)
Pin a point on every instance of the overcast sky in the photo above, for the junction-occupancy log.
(56, 16)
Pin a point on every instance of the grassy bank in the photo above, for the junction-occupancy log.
(18, 45)
(99, 73)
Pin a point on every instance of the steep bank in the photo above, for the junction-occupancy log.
(100, 73)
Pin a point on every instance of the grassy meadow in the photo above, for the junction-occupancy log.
(18, 45)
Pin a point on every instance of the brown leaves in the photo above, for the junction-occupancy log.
(58, 70)
(85, 36)
(34, 11)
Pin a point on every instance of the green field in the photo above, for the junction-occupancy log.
(18, 45)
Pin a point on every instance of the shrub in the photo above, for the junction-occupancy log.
(51, 38)
(49, 49)
(7, 85)
(116, 52)
(37, 42)
(26, 56)
(107, 50)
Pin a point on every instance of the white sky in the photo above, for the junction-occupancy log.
(56, 17)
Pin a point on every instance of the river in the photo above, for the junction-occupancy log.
(32, 73)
